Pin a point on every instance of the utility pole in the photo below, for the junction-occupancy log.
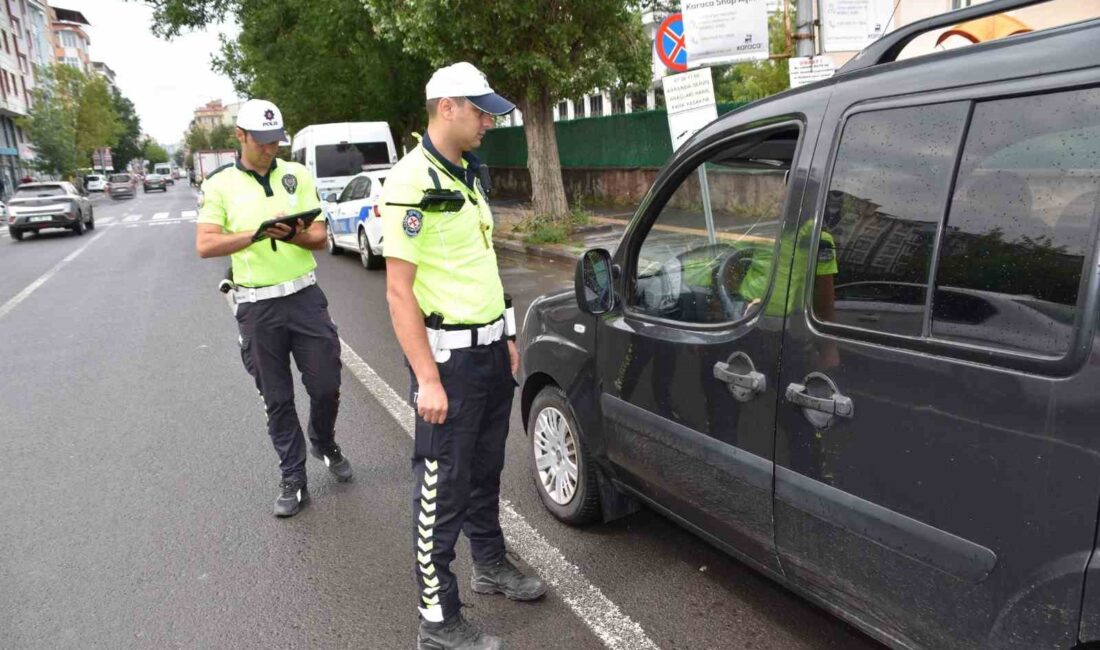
(804, 28)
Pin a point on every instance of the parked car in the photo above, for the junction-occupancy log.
(154, 182)
(120, 185)
(39, 206)
(862, 355)
(353, 219)
(95, 183)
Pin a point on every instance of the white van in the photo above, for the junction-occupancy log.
(336, 153)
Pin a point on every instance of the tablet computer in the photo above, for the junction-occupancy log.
(291, 220)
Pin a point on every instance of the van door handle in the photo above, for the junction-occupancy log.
(836, 405)
(751, 380)
(739, 372)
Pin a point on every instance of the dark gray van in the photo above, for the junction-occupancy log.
(849, 337)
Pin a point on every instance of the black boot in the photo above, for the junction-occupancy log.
(504, 578)
(292, 496)
(455, 633)
(336, 462)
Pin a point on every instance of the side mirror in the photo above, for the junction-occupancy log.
(331, 197)
(593, 282)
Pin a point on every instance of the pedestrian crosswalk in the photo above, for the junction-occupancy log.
(186, 217)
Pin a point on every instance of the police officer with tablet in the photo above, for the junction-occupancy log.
(280, 310)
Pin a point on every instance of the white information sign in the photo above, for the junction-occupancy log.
(808, 69)
(851, 25)
(689, 99)
(725, 31)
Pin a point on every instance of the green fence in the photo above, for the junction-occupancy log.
(628, 140)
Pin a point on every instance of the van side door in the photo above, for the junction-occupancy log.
(937, 466)
(688, 360)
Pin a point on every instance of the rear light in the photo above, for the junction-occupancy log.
(11, 219)
(376, 212)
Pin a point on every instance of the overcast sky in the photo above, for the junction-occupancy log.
(165, 80)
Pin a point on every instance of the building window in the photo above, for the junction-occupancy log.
(597, 105)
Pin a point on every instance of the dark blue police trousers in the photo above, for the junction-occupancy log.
(271, 331)
(456, 468)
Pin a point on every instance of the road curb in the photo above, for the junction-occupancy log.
(558, 253)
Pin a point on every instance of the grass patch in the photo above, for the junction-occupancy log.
(537, 229)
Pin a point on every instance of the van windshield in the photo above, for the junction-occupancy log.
(349, 159)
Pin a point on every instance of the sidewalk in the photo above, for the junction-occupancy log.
(605, 230)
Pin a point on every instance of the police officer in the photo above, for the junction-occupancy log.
(449, 314)
(280, 310)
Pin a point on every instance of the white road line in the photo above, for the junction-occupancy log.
(22, 295)
(104, 220)
(132, 218)
(617, 630)
(160, 215)
(189, 214)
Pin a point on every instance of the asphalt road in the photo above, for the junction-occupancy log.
(137, 478)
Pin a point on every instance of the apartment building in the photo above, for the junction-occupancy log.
(71, 42)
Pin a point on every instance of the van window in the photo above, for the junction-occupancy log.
(349, 159)
(707, 258)
(1021, 224)
(883, 208)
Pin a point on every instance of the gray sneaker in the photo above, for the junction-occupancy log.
(335, 461)
(456, 633)
(292, 496)
(504, 578)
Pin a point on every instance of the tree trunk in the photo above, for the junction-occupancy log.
(547, 190)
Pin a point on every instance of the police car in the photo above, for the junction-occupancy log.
(354, 222)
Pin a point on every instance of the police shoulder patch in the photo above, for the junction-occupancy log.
(290, 183)
(414, 219)
(201, 199)
(826, 254)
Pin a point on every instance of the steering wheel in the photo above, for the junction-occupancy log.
(735, 265)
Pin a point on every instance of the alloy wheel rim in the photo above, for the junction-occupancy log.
(363, 255)
(555, 449)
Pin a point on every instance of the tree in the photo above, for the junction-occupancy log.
(746, 82)
(534, 52)
(350, 73)
(153, 152)
(71, 116)
(128, 146)
(177, 157)
(97, 123)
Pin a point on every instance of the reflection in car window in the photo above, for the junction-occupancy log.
(40, 190)
(1021, 223)
(707, 257)
(882, 211)
(349, 159)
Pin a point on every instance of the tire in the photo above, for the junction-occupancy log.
(91, 219)
(79, 227)
(554, 434)
(17, 235)
(371, 262)
(330, 243)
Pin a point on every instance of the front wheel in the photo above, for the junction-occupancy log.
(330, 244)
(561, 465)
(79, 227)
(91, 219)
(371, 262)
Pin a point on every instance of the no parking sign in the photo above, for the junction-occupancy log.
(669, 41)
